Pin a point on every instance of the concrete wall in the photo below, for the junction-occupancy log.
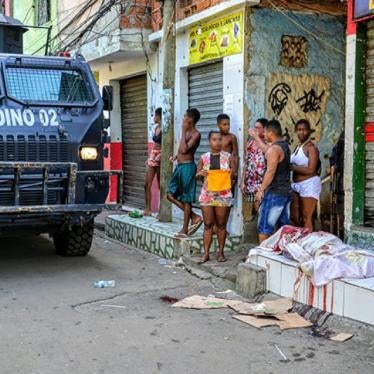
(325, 65)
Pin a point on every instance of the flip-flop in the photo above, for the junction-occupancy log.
(135, 214)
(181, 236)
(194, 227)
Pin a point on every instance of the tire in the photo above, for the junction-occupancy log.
(76, 242)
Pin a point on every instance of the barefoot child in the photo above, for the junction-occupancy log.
(215, 199)
(229, 143)
(182, 186)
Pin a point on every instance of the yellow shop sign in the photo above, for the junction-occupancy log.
(215, 39)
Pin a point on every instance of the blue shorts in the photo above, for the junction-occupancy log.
(182, 184)
(274, 211)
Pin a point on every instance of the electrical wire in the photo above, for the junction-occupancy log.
(305, 29)
(84, 7)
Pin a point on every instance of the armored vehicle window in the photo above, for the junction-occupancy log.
(52, 85)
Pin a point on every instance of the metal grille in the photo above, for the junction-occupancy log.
(27, 184)
(369, 153)
(33, 148)
(205, 93)
(47, 85)
(134, 138)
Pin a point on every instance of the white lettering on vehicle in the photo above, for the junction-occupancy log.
(26, 117)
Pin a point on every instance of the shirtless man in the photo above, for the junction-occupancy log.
(229, 142)
(274, 195)
(182, 186)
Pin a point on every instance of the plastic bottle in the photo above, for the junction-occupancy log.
(104, 284)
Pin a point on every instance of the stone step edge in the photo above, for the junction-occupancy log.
(191, 238)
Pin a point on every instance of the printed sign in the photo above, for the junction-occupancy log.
(363, 8)
(215, 39)
(28, 118)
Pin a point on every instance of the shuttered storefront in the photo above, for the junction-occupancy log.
(205, 93)
(369, 187)
(134, 138)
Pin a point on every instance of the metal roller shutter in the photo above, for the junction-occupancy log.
(134, 138)
(205, 93)
(369, 156)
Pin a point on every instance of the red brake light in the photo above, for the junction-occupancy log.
(64, 54)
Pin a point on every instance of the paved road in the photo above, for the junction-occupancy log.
(53, 321)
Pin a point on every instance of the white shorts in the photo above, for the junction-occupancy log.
(309, 188)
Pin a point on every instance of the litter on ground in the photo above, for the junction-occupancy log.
(267, 313)
(342, 337)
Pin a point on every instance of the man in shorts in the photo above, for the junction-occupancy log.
(182, 186)
(274, 195)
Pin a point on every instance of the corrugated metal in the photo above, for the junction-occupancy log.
(369, 157)
(134, 138)
(205, 93)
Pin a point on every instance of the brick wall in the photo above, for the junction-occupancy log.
(141, 14)
(186, 8)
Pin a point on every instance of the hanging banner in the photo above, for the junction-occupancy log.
(215, 39)
(363, 8)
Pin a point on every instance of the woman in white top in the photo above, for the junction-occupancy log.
(306, 181)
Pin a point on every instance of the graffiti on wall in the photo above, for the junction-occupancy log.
(294, 51)
(292, 97)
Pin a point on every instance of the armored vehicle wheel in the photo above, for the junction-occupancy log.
(76, 242)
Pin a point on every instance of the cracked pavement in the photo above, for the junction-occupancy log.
(53, 321)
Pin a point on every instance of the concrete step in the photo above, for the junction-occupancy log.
(150, 235)
(226, 270)
(350, 298)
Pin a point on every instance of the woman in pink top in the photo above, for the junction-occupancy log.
(254, 162)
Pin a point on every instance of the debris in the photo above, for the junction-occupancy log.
(114, 306)
(256, 322)
(169, 299)
(285, 359)
(266, 308)
(342, 337)
(292, 321)
(321, 332)
(180, 263)
(104, 284)
(201, 302)
(162, 261)
(224, 292)
(267, 313)
(135, 214)
(284, 321)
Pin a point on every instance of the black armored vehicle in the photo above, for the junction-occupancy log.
(52, 136)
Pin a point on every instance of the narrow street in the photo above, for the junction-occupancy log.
(53, 321)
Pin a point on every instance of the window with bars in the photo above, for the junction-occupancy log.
(43, 12)
(52, 85)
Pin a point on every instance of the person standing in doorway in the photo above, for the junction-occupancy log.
(215, 168)
(306, 180)
(153, 162)
(254, 162)
(182, 186)
(274, 194)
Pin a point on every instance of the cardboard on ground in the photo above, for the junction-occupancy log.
(266, 308)
(201, 302)
(284, 321)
